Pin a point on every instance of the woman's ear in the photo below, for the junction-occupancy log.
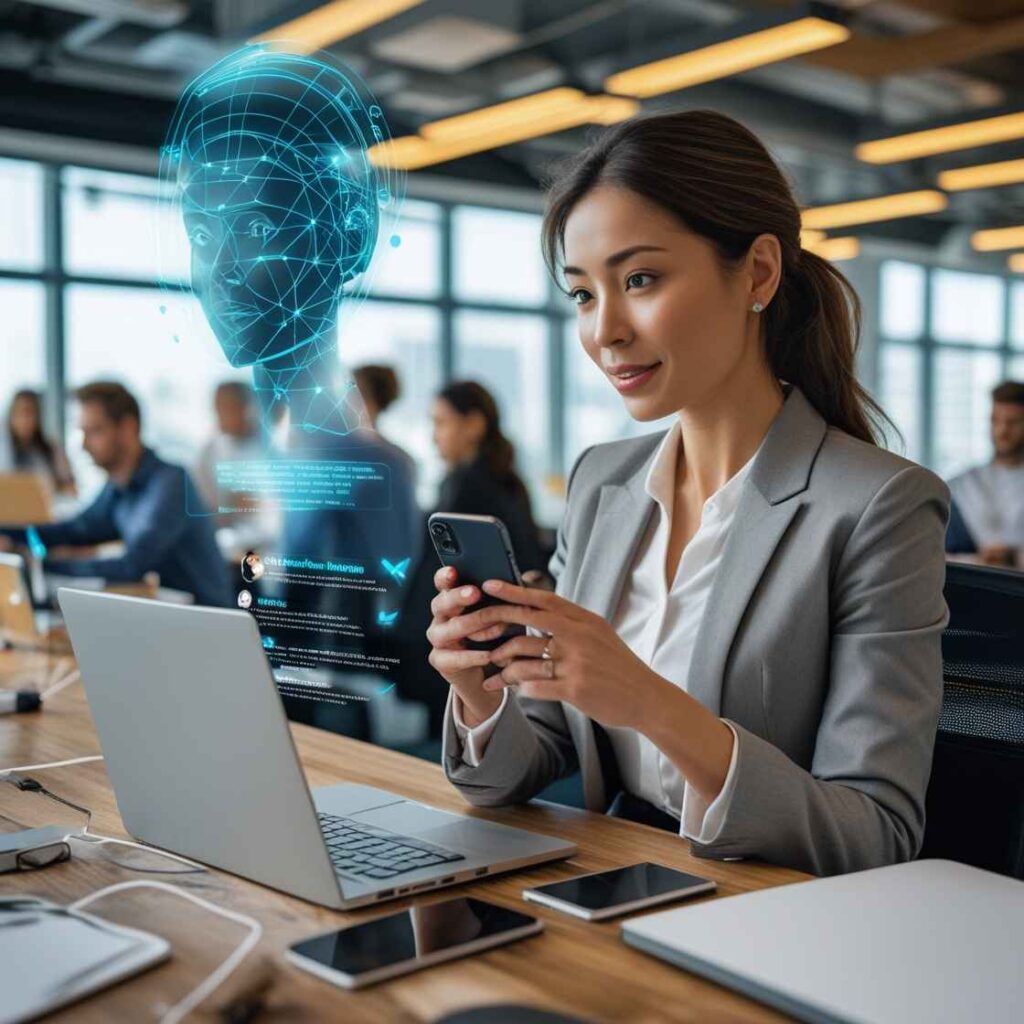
(358, 240)
(764, 267)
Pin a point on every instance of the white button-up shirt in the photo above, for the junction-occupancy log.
(659, 624)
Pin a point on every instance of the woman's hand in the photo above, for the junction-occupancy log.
(462, 669)
(590, 666)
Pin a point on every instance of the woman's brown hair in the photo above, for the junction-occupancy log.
(717, 178)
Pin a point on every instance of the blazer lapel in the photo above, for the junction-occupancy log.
(768, 505)
(623, 513)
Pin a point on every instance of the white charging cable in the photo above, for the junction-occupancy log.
(52, 764)
(227, 967)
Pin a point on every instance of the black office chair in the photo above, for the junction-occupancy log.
(975, 803)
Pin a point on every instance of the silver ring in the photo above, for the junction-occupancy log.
(546, 653)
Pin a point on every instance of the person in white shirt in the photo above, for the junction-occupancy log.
(745, 639)
(236, 439)
(990, 498)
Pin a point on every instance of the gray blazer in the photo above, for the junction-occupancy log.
(820, 644)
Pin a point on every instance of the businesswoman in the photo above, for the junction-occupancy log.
(745, 638)
(30, 450)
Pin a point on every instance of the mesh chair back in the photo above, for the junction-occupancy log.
(975, 805)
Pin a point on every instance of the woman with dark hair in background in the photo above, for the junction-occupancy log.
(482, 477)
(30, 450)
(745, 643)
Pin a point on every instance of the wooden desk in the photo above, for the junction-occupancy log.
(578, 968)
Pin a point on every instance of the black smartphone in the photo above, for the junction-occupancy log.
(619, 891)
(410, 940)
(479, 548)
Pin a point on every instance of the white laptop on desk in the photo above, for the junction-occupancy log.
(202, 762)
(930, 942)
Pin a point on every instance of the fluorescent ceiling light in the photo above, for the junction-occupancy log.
(866, 211)
(719, 60)
(836, 249)
(1016, 262)
(500, 125)
(989, 130)
(330, 22)
(1006, 172)
(996, 239)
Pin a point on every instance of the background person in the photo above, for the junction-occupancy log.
(142, 504)
(29, 450)
(745, 645)
(988, 500)
(380, 389)
(236, 439)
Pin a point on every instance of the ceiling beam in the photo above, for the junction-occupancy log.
(872, 57)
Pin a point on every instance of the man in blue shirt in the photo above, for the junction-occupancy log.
(143, 504)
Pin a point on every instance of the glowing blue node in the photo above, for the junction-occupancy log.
(396, 241)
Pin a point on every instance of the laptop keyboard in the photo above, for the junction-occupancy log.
(369, 852)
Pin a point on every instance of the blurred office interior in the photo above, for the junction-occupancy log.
(88, 87)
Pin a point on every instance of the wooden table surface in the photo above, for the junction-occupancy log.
(579, 968)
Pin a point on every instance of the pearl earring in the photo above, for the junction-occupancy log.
(756, 307)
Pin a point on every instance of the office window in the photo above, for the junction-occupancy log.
(497, 257)
(508, 354)
(1017, 314)
(114, 227)
(899, 373)
(412, 267)
(24, 362)
(902, 300)
(962, 383)
(407, 337)
(21, 215)
(967, 308)
(120, 334)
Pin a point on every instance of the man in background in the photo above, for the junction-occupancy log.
(143, 505)
(988, 501)
(236, 440)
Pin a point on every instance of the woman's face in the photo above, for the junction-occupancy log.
(456, 437)
(651, 296)
(24, 419)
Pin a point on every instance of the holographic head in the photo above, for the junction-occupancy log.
(268, 155)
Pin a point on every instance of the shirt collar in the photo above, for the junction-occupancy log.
(143, 471)
(660, 482)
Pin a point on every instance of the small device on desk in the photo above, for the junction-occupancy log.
(620, 891)
(408, 941)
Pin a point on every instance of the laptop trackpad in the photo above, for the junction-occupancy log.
(408, 817)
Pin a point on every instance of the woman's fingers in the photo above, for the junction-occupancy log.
(445, 578)
(519, 647)
(462, 626)
(449, 662)
(451, 602)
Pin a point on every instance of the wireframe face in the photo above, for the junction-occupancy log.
(267, 249)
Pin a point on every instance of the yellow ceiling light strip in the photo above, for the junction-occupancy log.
(719, 60)
(866, 211)
(330, 22)
(490, 127)
(1016, 263)
(809, 238)
(836, 249)
(1006, 172)
(997, 239)
(967, 135)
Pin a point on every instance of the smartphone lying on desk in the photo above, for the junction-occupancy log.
(605, 894)
(410, 940)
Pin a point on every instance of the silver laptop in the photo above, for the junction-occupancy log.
(202, 763)
(929, 942)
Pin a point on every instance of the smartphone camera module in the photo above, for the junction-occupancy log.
(445, 539)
